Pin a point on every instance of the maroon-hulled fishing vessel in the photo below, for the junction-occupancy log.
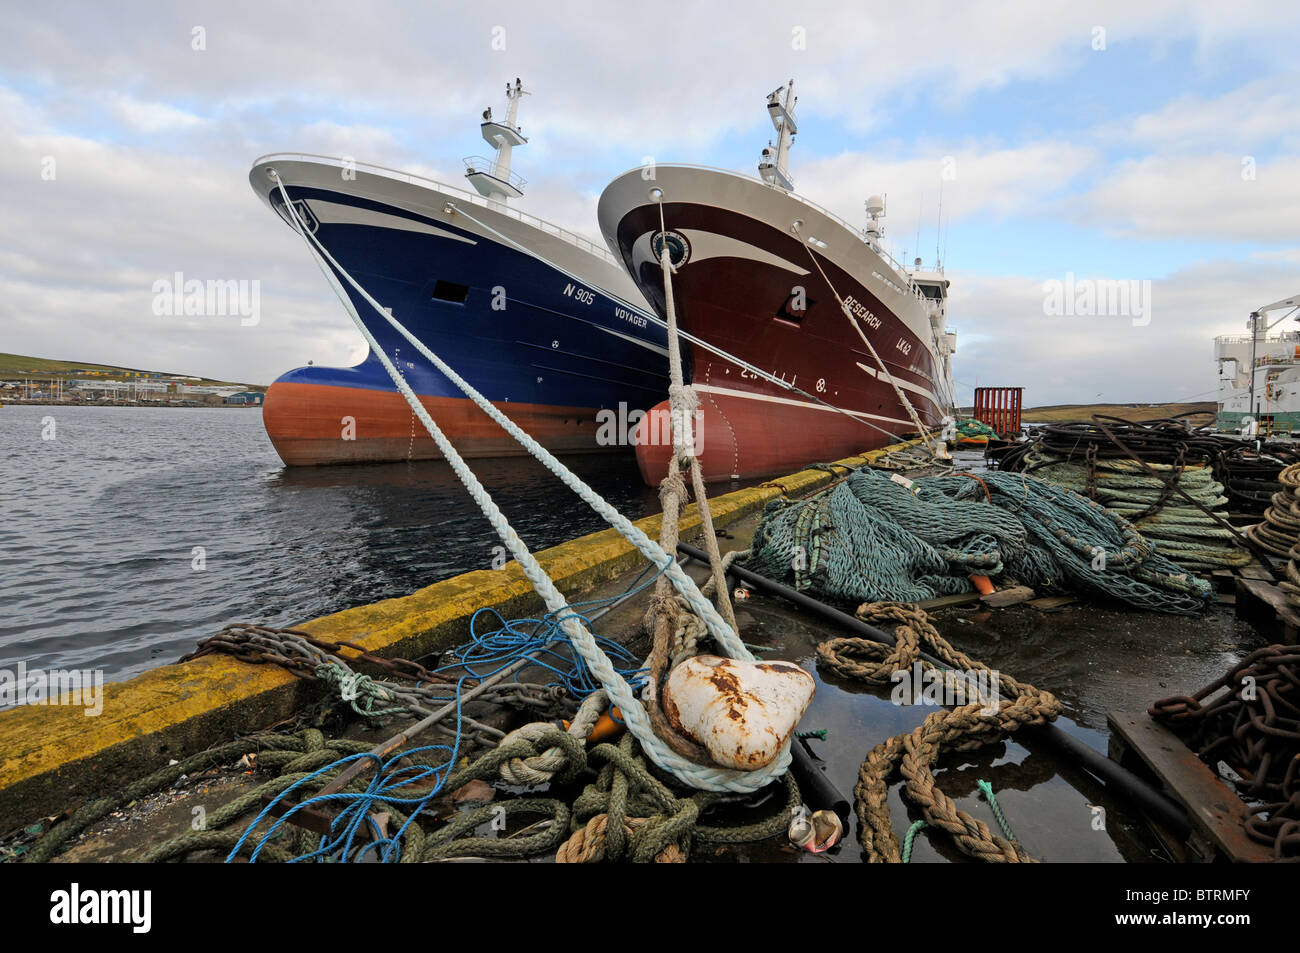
(788, 287)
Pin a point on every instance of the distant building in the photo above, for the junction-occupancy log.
(191, 389)
(248, 397)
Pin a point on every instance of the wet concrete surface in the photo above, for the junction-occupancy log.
(1094, 659)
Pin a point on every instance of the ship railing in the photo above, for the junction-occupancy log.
(901, 272)
(1281, 338)
(573, 238)
(489, 167)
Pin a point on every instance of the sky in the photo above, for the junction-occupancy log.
(1154, 142)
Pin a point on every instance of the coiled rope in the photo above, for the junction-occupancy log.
(962, 728)
(1280, 530)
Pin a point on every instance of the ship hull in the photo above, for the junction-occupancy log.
(746, 435)
(322, 424)
(548, 337)
(751, 287)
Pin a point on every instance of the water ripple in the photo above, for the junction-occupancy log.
(137, 531)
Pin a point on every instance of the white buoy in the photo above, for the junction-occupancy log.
(741, 712)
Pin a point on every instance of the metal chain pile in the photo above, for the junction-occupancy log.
(915, 754)
(875, 538)
(1249, 471)
(1252, 723)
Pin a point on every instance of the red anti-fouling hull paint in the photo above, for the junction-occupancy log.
(308, 424)
(743, 437)
(740, 301)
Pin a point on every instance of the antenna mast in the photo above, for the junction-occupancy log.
(773, 167)
(492, 177)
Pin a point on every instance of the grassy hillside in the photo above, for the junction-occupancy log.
(1057, 413)
(19, 366)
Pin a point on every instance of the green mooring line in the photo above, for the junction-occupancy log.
(987, 790)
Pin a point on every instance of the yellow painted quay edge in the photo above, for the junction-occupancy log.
(53, 757)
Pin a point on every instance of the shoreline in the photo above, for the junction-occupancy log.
(134, 404)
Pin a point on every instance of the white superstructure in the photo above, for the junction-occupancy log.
(1259, 372)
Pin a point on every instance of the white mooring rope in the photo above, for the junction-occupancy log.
(698, 776)
(902, 398)
(684, 335)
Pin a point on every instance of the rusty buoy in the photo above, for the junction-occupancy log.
(741, 712)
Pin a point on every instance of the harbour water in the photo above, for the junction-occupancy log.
(129, 533)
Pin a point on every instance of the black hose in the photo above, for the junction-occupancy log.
(816, 789)
(1154, 802)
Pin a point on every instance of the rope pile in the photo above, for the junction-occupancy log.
(1160, 476)
(477, 671)
(915, 754)
(1280, 530)
(909, 457)
(389, 815)
(1185, 533)
(1252, 723)
(627, 813)
(665, 829)
(410, 689)
(875, 538)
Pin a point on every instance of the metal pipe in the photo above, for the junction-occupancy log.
(1154, 802)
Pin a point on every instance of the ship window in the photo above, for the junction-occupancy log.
(450, 291)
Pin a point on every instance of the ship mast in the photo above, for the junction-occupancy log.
(1259, 328)
(492, 177)
(773, 167)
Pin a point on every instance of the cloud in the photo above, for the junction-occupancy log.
(1213, 196)
(977, 182)
(1251, 117)
(149, 117)
(152, 141)
(1006, 339)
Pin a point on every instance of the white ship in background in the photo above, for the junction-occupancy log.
(1259, 374)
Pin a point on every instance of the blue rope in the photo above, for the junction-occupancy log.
(487, 653)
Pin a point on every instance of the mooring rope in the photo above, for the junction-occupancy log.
(969, 725)
(853, 323)
(667, 621)
(637, 718)
(730, 358)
